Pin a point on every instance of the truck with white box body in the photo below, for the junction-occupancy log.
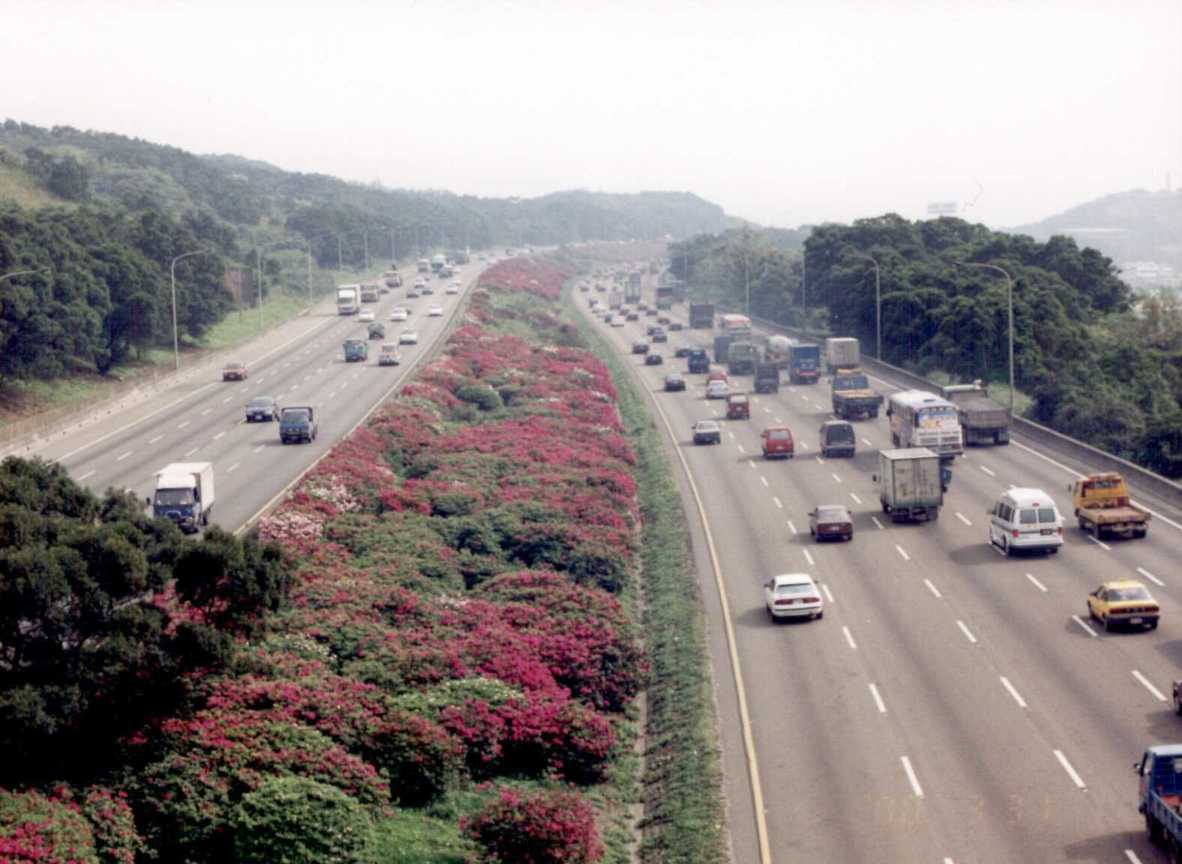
(348, 299)
(184, 494)
(909, 485)
(842, 352)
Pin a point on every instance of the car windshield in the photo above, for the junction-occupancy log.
(261, 402)
(1047, 514)
(295, 416)
(1133, 593)
(832, 514)
(779, 435)
(174, 497)
(839, 433)
(794, 588)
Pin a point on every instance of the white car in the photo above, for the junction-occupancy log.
(408, 337)
(717, 390)
(793, 595)
(365, 315)
(435, 310)
(453, 288)
(399, 313)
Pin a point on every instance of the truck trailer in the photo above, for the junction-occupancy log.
(909, 486)
(842, 351)
(701, 316)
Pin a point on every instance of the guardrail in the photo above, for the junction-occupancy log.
(1089, 458)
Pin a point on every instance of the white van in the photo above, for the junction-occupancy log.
(1025, 519)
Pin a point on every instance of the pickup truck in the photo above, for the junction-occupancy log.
(1159, 794)
(982, 419)
(297, 423)
(1102, 506)
(355, 350)
(852, 396)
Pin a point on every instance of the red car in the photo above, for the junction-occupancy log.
(234, 372)
(778, 443)
(737, 407)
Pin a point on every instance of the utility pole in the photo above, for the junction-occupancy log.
(176, 348)
(365, 236)
(393, 247)
(258, 272)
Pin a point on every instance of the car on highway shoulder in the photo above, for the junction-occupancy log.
(653, 359)
(717, 389)
(234, 371)
(408, 337)
(399, 313)
(707, 432)
(793, 595)
(777, 443)
(365, 315)
(831, 522)
(263, 409)
(674, 383)
(1123, 603)
(435, 311)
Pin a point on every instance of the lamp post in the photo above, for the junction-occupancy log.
(176, 346)
(1009, 312)
(877, 305)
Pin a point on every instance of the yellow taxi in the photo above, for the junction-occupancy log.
(1123, 603)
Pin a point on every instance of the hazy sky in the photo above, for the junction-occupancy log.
(782, 112)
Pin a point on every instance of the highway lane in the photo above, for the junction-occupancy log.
(202, 418)
(1000, 700)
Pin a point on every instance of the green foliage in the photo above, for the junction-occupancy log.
(410, 837)
(292, 820)
(480, 395)
(34, 828)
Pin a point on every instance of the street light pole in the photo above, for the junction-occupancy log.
(1009, 312)
(877, 306)
(176, 345)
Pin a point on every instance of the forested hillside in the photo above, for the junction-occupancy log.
(1093, 368)
(100, 217)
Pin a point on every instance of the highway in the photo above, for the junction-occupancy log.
(953, 706)
(201, 418)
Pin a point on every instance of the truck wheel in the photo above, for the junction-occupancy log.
(1107, 624)
(1005, 547)
(204, 517)
(1177, 705)
(894, 439)
(1154, 828)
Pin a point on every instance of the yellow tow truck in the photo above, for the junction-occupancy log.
(1102, 506)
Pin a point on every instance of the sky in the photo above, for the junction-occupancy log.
(784, 113)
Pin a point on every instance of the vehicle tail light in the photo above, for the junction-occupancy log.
(1060, 530)
(784, 602)
(810, 600)
(1016, 533)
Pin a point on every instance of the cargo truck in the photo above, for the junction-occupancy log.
(632, 291)
(774, 350)
(615, 299)
(355, 350)
(184, 494)
(767, 378)
(423, 265)
(1159, 795)
(851, 395)
(438, 262)
(740, 357)
(698, 360)
(721, 345)
(909, 486)
(664, 297)
(348, 299)
(369, 292)
(982, 420)
(701, 316)
(1102, 506)
(842, 351)
(297, 423)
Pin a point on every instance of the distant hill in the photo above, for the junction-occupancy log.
(1129, 226)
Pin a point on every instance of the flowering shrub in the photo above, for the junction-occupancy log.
(34, 828)
(546, 828)
(113, 823)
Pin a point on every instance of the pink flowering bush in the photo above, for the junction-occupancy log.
(36, 828)
(544, 828)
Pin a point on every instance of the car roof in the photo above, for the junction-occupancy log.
(832, 509)
(1123, 583)
(793, 579)
(707, 422)
(1026, 497)
(262, 399)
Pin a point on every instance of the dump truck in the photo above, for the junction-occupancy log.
(741, 357)
(698, 360)
(982, 420)
(852, 396)
(804, 362)
(184, 494)
(1159, 795)
(773, 350)
(909, 486)
(842, 352)
(355, 350)
(1102, 506)
(767, 378)
(701, 316)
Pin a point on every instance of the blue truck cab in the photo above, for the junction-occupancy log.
(1160, 794)
(804, 362)
(297, 423)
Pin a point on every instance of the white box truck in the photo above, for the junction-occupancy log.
(348, 299)
(184, 494)
(842, 352)
(909, 484)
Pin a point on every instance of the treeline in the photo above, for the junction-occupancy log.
(1097, 363)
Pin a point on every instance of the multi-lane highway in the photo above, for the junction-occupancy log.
(201, 418)
(953, 705)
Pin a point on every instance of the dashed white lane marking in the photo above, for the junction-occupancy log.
(791, 527)
(183, 425)
(732, 434)
(802, 445)
(1132, 856)
(986, 470)
(292, 387)
(82, 477)
(778, 420)
(1148, 685)
(751, 464)
(933, 588)
(206, 411)
(1071, 772)
(233, 468)
(227, 399)
(964, 519)
(902, 552)
(857, 500)
(915, 787)
(219, 435)
(333, 393)
(1005, 682)
(878, 699)
(808, 557)
(740, 446)
(191, 452)
(763, 480)
(836, 479)
(766, 410)
(258, 449)
(777, 502)
(122, 456)
(1084, 624)
(154, 440)
(849, 637)
(1151, 577)
(820, 460)
(878, 524)
(868, 442)
(1100, 543)
(1037, 584)
(828, 593)
(968, 634)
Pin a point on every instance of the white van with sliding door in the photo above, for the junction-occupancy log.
(1025, 519)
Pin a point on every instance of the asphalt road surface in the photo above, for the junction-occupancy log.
(953, 705)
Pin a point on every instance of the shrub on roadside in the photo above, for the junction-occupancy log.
(35, 829)
(544, 828)
(294, 820)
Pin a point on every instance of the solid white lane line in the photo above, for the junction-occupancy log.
(868, 442)
(791, 527)
(206, 411)
(763, 480)
(986, 470)
(849, 637)
(808, 557)
(258, 449)
(183, 425)
(1151, 577)
(82, 477)
(836, 479)
(1037, 584)
(828, 593)
(933, 588)
(191, 452)
(1071, 772)
(857, 500)
(778, 504)
(1099, 543)
(878, 524)
(902, 552)
(154, 440)
(1005, 682)
(122, 456)
(1148, 685)
(219, 435)
(1084, 624)
(233, 468)
(964, 519)
(878, 699)
(968, 634)
(915, 787)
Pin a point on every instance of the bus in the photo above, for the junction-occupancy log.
(922, 419)
(734, 324)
